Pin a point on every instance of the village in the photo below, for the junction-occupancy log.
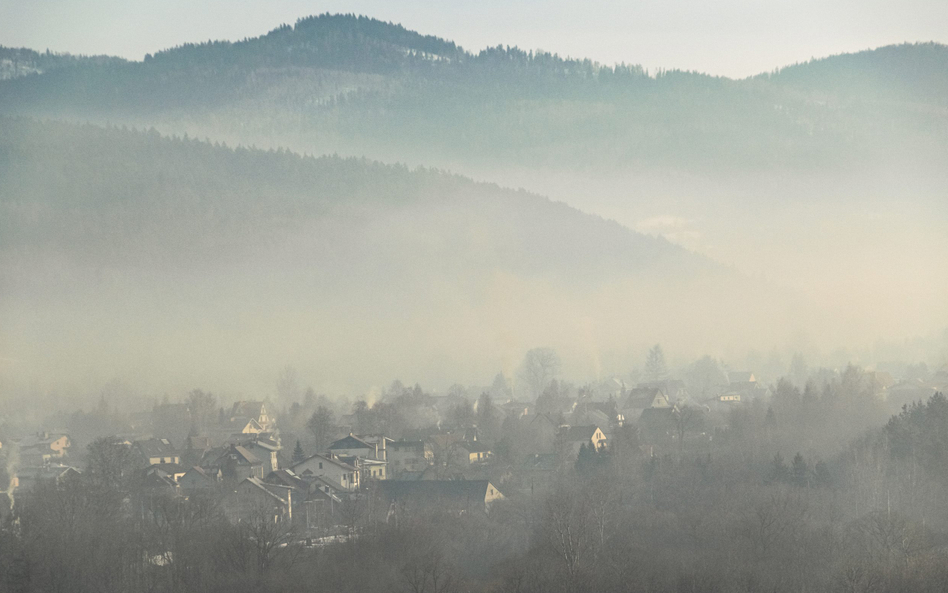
(326, 476)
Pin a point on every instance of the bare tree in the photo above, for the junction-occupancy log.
(429, 572)
(539, 367)
(323, 425)
(288, 385)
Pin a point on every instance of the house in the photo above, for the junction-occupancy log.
(741, 377)
(474, 451)
(237, 464)
(27, 476)
(381, 443)
(674, 389)
(657, 423)
(372, 469)
(266, 451)
(255, 410)
(407, 456)
(43, 446)
(340, 474)
(172, 470)
(157, 482)
(515, 410)
(154, 451)
(195, 447)
(199, 479)
(571, 438)
(642, 398)
(353, 446)
(254, 500)
(286, 477)
(598, 413)
(539, 432)
(240, 426)
(445, 495)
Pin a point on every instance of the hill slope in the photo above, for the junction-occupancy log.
(179, 263)
(339, 83)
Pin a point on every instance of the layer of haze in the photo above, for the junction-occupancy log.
(733, 38)
(864, 244)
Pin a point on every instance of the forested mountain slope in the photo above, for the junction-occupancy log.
(176, 255)
(357, 85)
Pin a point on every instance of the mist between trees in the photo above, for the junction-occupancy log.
(690, 479)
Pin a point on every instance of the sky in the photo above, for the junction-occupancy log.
(733, 38)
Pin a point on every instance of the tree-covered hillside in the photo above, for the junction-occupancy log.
(130, 246)
(360, 86)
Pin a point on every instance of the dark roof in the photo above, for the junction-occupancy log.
(262, 443)
(243, 455)
(475, 447)
(334, 461)
(167, 468)
(659, 416)
(285, 477)
(241, 422)
(578, 433)
(200, 471)
(351, 442)
(155, 447)
(276, 491)
(159, 480)
(642, 397)
(247, 408)
(434, 491)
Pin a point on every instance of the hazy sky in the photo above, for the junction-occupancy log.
(728, 37)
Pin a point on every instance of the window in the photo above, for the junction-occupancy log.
(320, 465)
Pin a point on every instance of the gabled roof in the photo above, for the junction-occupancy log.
(542, 418)
(40, 440)
(274, 491)
(331, 460)
(350, 442)
(642, 397)
(159, 480)
(241, 423)
(285, 477)
(242, 455)
(263, 444)
(251, 409)
(199, 471)
(741, 377)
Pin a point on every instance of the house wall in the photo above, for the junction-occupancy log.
(411, 458)
(347, 479)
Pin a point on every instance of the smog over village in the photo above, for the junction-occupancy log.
(497, 297)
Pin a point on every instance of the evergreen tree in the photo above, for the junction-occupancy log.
(800, 471)
(298, 454)
(322, 425)
(655, 367)
(779, 470)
